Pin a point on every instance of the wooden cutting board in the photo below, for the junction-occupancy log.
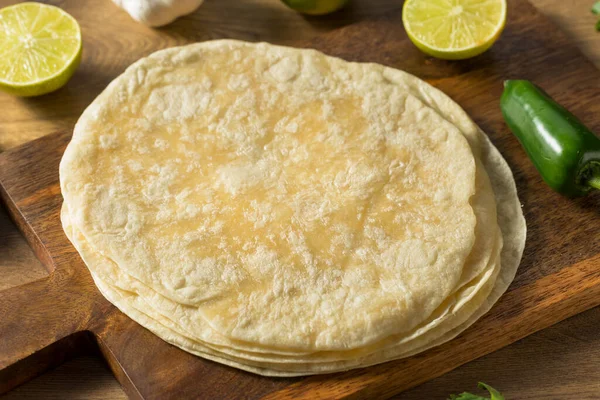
(45, 322)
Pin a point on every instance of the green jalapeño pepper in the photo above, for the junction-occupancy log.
(563, 150)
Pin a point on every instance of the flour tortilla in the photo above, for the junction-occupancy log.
(511, 222)
(320, 283)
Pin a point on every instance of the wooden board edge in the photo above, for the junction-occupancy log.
(32, 238)
(72, 346)
(10, 204)
(127, 384)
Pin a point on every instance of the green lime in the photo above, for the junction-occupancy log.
(454, 29)
(40, 48)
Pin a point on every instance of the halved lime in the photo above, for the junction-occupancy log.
(454, 29)
(40, 48)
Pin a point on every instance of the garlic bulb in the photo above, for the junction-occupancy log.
(158, 12)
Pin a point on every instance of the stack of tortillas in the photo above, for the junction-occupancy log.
(289, 213)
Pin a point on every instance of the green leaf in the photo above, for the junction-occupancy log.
(495, 394)
(596, 8)
(469, 396)
(598, 25)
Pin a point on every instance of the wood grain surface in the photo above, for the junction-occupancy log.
(265, 21)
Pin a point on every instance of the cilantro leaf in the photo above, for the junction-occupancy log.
(495, 394)
(596, 8)
(469, 396)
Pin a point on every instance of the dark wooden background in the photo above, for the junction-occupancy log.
(560, 362)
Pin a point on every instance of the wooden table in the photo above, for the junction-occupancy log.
(560, 362)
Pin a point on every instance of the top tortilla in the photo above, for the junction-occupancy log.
(297, 200)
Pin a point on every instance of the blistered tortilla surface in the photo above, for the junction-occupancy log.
(299, 201)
